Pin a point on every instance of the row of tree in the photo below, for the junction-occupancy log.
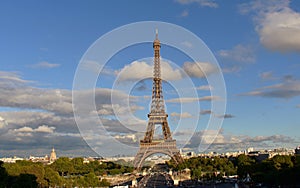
(63, 172)
(281, 170)
(206, 168)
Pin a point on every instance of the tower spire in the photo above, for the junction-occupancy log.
(157, 105)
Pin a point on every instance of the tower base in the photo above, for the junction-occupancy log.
(167, 147)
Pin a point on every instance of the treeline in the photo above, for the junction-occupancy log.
(206, 168)
(63, 172)
(281, 170)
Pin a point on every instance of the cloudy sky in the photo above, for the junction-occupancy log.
(256, 45)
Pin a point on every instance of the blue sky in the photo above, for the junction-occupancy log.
(256, 44)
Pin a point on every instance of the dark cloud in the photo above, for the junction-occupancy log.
(42, 118)
(226, 116)
(286, 90)
(218, 141)
(205, 112)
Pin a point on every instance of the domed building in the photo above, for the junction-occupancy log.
(52, 156)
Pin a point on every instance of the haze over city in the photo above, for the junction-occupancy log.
(256, 45)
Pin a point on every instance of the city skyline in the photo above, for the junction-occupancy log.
(256, 44)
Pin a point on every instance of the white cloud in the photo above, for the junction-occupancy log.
(138, 70)
(7, 78)
(45, 65)
(41, 129)
(24, 129)
(203, 3)
(2, 122)
(181, 115)
(277, 24)
(239, 53)
(128, 138)
(44, 129)
(280, 31)
(58, 101)
(199, 69)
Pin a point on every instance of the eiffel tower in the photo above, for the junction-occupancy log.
(157, 116)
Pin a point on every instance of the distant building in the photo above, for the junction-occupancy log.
(250, 150)
(297, 150)
(52, 156)
(11, 159)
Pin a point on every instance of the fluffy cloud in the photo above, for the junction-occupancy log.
(40, 129)
(138, 70)
(199, 69)
(45, 65)
(42, 118)
(2, 122)
(17, 93)
(44, 129)
(280, 31)
(277, 24)
(239, 53)
(203, 3)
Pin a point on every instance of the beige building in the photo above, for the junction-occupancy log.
(52, 156)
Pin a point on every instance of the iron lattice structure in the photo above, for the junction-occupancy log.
(157, 116)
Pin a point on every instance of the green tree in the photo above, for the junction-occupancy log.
(25, 180)
(281, 162)
(37, 170)
(196, 173)
(63, 166)
(52, 177)
(244, 165)
(79, 166)
(91, 179)
(3, 176)
(104, 183)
